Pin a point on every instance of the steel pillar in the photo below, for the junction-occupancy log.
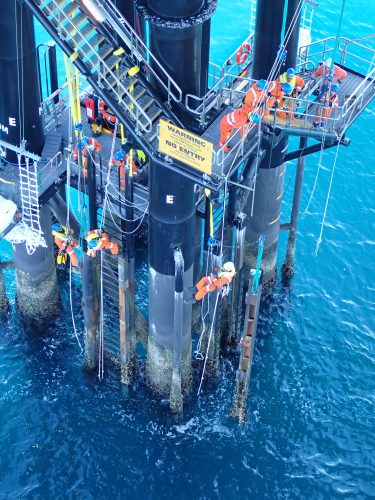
(171, 223)
(19, 96)
(37, 294)
(270, 176)
(90, 273)
(179, 35)
(288, 266)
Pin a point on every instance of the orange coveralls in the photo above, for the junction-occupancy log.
(331, 103)
(210, 284)
(234, 120)
(338, 73)
(254, 98)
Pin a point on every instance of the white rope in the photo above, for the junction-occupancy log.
(114, 209)
(108, 174)
(197, 352)
(218, 294)
(320, 238)
(121, 230)
(316, 176)
(125, 201)
(101, 325)
(208, 345)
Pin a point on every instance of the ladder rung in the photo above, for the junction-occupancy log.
(102, 53)
(49, 7)
(110, 63)
(120, 74)
(148, 104)
(70, 8)
(94, 42)
(82, 34)
(128, 83)
(155, 113)
(137, 93)
(76, 20)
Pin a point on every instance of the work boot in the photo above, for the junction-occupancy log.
(191, 289)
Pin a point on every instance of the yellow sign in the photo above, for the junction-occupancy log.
(185, 146)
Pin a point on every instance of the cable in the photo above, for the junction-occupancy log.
(208, 345)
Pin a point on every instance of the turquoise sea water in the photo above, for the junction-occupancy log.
(310, 433)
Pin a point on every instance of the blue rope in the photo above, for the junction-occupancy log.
(255, 284)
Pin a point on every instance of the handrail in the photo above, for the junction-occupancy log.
(238, 148)
(225, 86)
(51, 111)
(304, 51)
(305, 103)
(355, 96)
(211, 98)
(136, 45)
(344, 50)
(134, 104)
(227, 69)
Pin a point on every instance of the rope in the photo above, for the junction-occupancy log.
(101, 326)
(208, 345)
(319, 240)
(316, 176)
(197, 352)
(217, 296)
(108, 174)
(128, 232)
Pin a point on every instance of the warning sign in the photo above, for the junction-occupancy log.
(185, 146)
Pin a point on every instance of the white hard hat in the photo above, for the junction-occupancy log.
(328, 63)
(228, 267)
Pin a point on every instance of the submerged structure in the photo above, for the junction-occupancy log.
(149, 134)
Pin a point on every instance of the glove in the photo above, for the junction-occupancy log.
(141, 156)
(339, 80)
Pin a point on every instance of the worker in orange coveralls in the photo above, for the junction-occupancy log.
(213, 282)
(237, 119)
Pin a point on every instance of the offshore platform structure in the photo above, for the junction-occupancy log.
(146, 89)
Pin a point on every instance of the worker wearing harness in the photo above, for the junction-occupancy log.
(66, 244)
(213, 282)
(237, 119)
(330, 102)
(256, 96)
(98, 240)
(294, 80)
